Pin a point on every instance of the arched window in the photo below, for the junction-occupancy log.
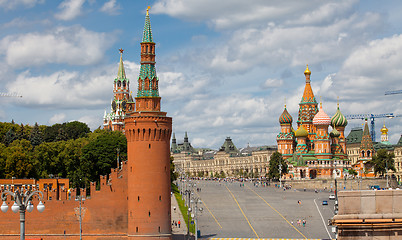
(362, 153)
(368, 153)
(119, 83)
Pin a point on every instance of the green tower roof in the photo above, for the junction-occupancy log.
(147, 37)
(121, 74)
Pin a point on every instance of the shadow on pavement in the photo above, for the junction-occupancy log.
(181, 237)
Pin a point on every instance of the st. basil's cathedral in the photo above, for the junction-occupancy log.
(311, 151)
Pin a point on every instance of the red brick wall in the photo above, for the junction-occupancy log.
(105, 215)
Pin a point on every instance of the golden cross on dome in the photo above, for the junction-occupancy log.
(121, 50)
(149, 7)
(337, 101)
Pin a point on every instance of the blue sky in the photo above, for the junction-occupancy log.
(225, 67)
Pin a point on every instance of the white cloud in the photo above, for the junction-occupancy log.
(23, 23)
(70, 9)
(70, 89)
(73, 45)
(272, 83)
(13, 4)
(57, 118)
(111, 8)
(226, 14)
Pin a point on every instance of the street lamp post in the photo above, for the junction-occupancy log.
(195, 202)
(22, 203)
(280, 175)
(188, 195)
(386, 172)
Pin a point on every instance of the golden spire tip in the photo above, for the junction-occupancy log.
(149, 7)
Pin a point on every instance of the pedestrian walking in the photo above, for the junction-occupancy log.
(304, 222)
(178, 223)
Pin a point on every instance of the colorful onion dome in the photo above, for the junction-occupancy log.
(334, 133)
(307, 71)
(338, 120)
(285, 118)
(301, 132)
(321, 118)
(384, 130)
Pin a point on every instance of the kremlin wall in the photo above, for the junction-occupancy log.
(133, 202)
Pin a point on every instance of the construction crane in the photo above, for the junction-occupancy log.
(372, 117)
(393, 92)
(9, 95)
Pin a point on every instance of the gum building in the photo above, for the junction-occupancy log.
(133, 202)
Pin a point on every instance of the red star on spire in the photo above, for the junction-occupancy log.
(121, 50)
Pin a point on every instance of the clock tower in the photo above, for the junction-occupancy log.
(122, 102)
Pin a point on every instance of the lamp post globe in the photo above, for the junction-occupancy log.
(40, 207)
(30, 207)
(4, 207)
(15, 208)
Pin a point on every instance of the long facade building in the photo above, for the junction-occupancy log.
(232, 162)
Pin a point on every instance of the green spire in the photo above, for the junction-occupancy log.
(121, 74)
(147, 37)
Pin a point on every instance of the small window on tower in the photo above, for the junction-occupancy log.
(119, 83)
(124, 84)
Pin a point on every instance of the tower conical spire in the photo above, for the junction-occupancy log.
(148, 91)
(147, 37)
(308, 95)
(121, 74)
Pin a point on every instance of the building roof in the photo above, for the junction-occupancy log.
(301, 132)
(121, 74)
(147, 36)
(229, 147)
(321, 118)
(355, 136)
(308, 95)
(338, 120)
(285, 117)
(366, 142)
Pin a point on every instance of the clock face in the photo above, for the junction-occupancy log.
(114, 106)
(124, 105)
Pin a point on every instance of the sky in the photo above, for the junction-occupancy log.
(226, 68)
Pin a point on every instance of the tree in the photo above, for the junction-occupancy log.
(173, 173)
(48, 162)
(36, 136)
(352, 172)
(19, 162)
(76, 129)
(275, 160)
(101, 153)
(10, 137)
(383, 161)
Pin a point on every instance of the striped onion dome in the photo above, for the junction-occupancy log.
(301, 132)
(334, 133)
(321, 118)
(285, 118)
(338, 120)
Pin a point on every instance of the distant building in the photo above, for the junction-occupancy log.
(361, 149)
(233, 162)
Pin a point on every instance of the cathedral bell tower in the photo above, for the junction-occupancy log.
(148, 132)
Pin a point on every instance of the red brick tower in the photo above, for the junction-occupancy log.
(148, 132)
